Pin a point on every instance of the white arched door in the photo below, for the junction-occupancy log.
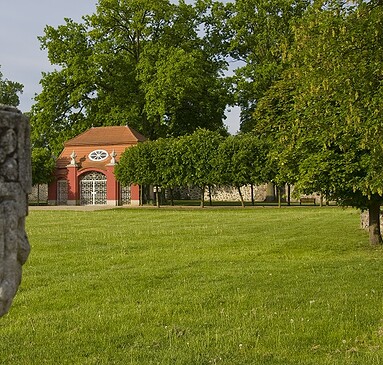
(93, 188)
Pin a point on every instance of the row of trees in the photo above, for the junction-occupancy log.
(202, 159)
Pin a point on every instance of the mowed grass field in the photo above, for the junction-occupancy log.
(296, 285)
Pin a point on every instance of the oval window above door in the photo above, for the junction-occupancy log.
(98, 155)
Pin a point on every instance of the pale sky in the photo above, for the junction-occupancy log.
(21, 60)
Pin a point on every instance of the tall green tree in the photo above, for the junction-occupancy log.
(242, 160)
(154, 163)
(137, 165)
(199, 153)
(171, 162)
(328, 121)
(9, 91)
(168, 158)
(261, 35)
(139, 61)
(43, 166)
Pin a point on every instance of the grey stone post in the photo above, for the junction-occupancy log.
(15, 184)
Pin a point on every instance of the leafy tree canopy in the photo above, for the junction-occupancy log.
(142, 62)
(261, 35)
(9, 91)
(204, 158)
(325, 112)
(242, 160)
(43, 165)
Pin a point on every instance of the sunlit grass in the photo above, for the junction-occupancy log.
(193, 286)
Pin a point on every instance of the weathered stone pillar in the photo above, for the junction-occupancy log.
(15, 184)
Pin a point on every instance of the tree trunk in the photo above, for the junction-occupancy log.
(288, 194)
(374, 223)
(203, 197)
(241, 196)
(270, 193)
(158, 197)
(252, 194)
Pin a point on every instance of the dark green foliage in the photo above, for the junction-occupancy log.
(43, 165)
(262, 33)
(9, 91)
(137, 166)
(326, 111)
(201, 159)
(199, 152)
(242, 160)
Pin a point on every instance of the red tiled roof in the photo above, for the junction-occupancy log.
(115, 135)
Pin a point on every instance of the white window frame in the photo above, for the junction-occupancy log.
(98, 155)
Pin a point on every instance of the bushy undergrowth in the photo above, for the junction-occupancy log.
(193, 286)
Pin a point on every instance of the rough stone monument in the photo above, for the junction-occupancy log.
(15, 184)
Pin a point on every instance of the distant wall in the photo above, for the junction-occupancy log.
(38, 191)
(364, 220)
(230, 193)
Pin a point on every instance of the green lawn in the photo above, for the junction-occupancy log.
(197, 286)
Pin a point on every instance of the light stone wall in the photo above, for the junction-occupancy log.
(39, 193)
(15, 184)
(364, 220)
(230, 193)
